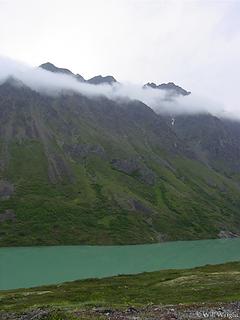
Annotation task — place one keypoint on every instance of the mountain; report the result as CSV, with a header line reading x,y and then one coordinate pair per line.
x,y
170,86
95,80
76,170
52,68
100,80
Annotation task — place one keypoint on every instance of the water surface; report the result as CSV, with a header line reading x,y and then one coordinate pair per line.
x,y
34,266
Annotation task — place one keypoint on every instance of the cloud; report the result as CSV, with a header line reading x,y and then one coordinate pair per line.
x,y
49,83
193,43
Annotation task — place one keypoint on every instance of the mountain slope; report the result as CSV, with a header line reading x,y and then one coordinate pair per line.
x,y
79,170
215,141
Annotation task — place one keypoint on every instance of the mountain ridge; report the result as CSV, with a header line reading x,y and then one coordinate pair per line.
x,y
99,79
77,170
170,86
94,80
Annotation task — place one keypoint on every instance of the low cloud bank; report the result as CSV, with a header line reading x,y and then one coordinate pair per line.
x,y
50,83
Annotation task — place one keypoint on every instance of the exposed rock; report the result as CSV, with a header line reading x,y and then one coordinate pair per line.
x,y
126,166
8,215
80,151
35,314
223,234
59,169
80,78
52,68
210,182
170,86
6,190
135,168
161,237
137,205
95,80
171,312
102,80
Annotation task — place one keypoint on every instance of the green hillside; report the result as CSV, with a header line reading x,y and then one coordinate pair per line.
x,y
75,170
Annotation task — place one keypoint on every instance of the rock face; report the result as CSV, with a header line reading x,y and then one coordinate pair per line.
x,y
135,168
95,80
140,207
80,78
102,80
227,235
6,190
81,151
215,141
51,67
7,215
170,86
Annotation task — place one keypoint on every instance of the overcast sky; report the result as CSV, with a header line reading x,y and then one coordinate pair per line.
x,y
195,44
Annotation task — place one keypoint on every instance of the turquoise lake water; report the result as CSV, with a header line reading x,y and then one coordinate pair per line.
x,y
34,266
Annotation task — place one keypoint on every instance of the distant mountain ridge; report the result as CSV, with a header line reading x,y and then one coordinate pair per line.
x,y
77,170
52,68
110,80
170,86
95,80
100,79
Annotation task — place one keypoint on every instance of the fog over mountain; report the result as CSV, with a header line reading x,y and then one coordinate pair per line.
x,y
64,81
195,44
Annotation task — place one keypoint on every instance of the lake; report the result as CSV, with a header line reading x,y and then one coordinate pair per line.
x,y
34,266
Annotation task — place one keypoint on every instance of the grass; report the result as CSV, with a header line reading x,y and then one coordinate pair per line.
x,y
211,283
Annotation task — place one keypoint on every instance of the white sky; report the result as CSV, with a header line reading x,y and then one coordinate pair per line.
x,y
195,44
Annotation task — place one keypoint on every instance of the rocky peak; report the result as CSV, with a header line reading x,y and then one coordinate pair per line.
x,y
95,80
102,80
168,86
80,78
52,68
